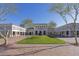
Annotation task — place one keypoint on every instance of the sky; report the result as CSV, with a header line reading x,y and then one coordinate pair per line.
x,y
39,13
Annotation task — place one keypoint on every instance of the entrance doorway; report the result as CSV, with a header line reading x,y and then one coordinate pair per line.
x,y
40,32
44,32
36,32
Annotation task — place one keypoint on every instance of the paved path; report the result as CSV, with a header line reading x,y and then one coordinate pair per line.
x,y
14,49
70,40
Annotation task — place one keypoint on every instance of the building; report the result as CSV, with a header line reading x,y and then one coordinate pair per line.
x,y
40,29
66,30
37,29
44,29
13,30
30,31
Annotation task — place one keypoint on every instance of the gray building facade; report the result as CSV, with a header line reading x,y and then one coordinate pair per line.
x,y
66,30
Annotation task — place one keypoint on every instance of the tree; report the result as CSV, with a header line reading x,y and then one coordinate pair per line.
x,y
51,24
27,23
70,10
51,27
6,9
59,8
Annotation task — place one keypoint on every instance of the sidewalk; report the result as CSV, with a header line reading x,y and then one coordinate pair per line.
x,y
14,49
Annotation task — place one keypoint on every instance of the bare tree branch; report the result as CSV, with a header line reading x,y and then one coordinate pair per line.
x,y
71,15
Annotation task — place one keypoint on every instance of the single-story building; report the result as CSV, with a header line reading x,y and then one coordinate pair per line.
x,y
12,29
66,30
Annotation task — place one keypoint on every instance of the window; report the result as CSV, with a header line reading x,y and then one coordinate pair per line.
x,y
44,32
40,32
17,32
30,33
77,32
36,32
67,32
13,33
20,33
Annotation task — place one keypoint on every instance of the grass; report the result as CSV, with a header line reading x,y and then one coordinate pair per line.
x,y
41,40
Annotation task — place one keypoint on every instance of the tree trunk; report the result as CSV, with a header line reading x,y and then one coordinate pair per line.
x,y
5,42
75,33
76,40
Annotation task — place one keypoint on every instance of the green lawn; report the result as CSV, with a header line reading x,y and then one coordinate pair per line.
x,y
41,40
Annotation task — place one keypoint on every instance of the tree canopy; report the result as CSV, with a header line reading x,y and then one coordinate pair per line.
x,y
51,24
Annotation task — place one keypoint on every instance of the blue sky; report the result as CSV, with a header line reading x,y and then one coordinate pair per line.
x,y
39,13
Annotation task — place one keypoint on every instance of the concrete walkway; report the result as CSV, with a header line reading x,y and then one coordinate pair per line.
x,y
14,49
70,40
